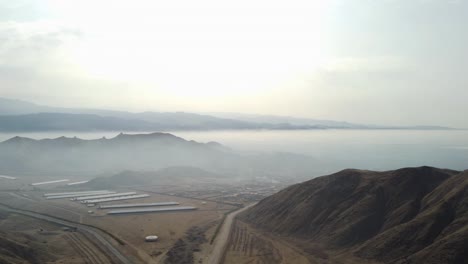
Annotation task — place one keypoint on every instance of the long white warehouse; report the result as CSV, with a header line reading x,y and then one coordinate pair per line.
x,y
92,197
152,210
76,183
136,205
104,200
7,177
76,195
80,192
49,182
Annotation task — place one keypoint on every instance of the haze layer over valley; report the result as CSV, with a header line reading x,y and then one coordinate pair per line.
x,y
145,152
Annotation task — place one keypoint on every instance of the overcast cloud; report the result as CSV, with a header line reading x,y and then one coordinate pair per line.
x,y
384,62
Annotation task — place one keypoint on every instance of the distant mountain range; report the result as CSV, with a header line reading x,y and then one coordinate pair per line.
x,y
410,215
145,152
293,121
21,116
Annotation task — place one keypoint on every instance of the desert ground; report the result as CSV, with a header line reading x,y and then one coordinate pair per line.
x,y
51,243
183,237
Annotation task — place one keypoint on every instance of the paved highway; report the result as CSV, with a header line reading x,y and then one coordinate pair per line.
x,y
82,228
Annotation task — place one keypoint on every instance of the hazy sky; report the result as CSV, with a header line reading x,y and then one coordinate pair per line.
x,y
368,61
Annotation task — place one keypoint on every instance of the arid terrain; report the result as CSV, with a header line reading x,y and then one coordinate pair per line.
x,y
410,215
353,216
248,244
183,237
29,240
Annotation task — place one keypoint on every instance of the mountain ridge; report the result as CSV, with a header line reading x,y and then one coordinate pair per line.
x,y
22,116
144,152
400,216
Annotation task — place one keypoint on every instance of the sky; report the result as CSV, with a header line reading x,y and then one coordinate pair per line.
x,y
395,62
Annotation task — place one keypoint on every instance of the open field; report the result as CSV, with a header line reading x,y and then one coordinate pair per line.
x,y
183,235
130,228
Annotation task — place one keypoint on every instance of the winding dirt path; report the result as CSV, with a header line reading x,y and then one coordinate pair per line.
x,y
221,241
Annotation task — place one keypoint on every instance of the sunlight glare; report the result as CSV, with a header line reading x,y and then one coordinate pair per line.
x,y
201,49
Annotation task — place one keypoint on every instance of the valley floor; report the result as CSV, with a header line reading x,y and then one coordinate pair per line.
x,y
184,237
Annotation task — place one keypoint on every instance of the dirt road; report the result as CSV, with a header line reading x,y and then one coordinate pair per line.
x,y
221,241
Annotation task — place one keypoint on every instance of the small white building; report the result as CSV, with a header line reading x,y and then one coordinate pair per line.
x,y
151,238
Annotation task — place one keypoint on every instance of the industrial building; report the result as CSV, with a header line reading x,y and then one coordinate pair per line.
x,y
81,192
76,183
73,196
152,210
99,196
49,182
136,205
7,177
151,238
111,199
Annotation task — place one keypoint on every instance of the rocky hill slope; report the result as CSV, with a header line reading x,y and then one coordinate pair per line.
x,y
410,215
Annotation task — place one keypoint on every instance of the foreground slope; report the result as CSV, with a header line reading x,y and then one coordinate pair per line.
x,y
411,215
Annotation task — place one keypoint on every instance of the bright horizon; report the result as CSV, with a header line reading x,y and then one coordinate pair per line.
x,y
373,62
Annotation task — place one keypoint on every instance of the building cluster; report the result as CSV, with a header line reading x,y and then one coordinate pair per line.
x,y
98,197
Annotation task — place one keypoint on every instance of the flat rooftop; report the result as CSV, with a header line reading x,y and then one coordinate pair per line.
x,y
137,205
152,210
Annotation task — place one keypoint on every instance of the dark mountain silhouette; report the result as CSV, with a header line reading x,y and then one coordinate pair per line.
x,y
411,215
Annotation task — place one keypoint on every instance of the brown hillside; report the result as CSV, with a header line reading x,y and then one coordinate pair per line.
x,y
14,252
411,215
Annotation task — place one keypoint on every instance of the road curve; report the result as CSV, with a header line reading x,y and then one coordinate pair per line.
x,y
221,241
106,244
